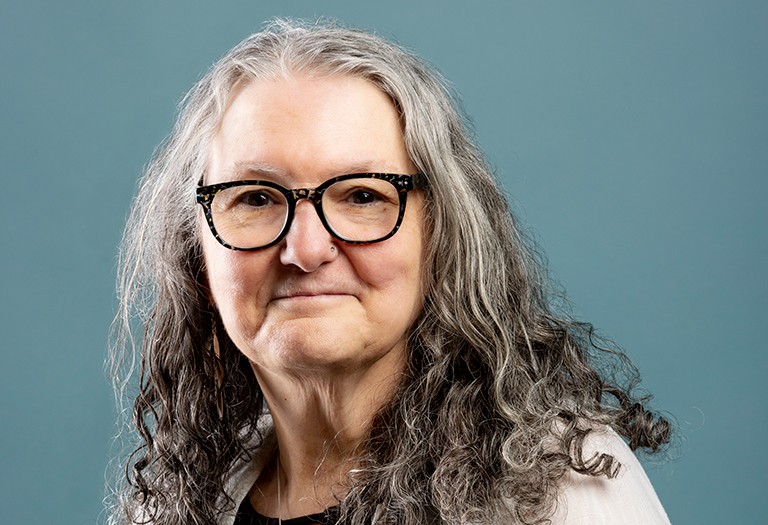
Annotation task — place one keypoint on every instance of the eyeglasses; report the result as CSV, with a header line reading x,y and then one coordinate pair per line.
x,y
361,208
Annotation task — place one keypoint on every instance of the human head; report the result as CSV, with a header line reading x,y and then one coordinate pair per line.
x,y
464,209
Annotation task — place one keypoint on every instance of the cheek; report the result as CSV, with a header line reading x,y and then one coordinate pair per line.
x,y
222,270
237,285
395,277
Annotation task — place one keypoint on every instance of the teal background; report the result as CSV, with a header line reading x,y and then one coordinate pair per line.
x,y
630,135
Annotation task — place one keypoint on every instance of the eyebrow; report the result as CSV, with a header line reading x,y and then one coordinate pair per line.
x,y
256,168
245,169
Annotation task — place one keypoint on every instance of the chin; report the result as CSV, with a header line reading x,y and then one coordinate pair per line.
x,y
306,344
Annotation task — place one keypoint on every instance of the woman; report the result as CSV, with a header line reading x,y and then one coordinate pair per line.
x,y
341,320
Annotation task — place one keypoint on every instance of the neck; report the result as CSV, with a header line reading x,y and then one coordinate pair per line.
x,y
321,421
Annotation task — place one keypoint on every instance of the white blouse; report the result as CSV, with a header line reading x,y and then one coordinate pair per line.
x,y
627,499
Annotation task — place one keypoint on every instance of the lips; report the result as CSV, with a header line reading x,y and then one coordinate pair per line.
x,y
292,291
299,294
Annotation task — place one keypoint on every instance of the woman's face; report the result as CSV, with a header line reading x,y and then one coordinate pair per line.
x,y
312,303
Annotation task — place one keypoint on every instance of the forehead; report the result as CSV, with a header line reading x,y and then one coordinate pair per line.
x,y
326,125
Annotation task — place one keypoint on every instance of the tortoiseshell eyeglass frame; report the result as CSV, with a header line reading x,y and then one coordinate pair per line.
x,y
403,184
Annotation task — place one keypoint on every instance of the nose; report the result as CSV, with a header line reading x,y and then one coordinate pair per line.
x,y
307,245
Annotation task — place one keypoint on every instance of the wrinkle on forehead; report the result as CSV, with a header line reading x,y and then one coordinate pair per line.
x,y
249,165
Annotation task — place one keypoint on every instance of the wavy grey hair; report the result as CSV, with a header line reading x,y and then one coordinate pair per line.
x,y
500,389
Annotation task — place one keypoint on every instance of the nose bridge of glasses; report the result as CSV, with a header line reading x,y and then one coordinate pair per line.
x,y
311,194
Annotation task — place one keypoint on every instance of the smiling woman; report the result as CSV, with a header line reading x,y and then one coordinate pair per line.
x,y
341,321
286,304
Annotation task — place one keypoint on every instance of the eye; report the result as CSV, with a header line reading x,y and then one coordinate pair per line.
x,y
358,194
364,196
255,198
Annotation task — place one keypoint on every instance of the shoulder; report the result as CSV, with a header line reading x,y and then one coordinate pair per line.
x,y
627,499
247,470
241,478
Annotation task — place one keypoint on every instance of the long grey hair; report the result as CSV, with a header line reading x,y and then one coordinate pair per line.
x,y
501,387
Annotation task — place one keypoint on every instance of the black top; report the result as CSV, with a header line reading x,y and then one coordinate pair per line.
x,y
246,515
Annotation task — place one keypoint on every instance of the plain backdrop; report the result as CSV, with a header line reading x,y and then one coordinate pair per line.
x,y
630,136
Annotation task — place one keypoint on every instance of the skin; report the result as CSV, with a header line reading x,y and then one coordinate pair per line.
x,y
325,330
